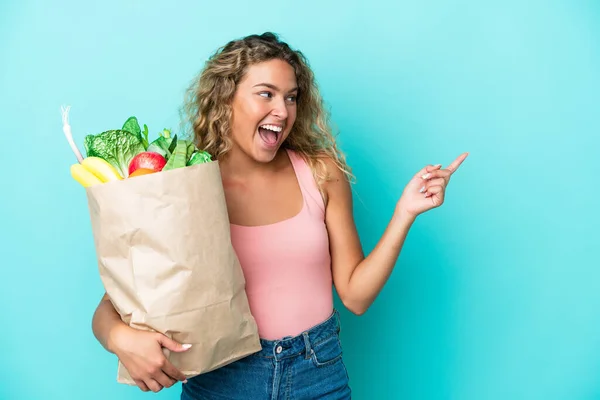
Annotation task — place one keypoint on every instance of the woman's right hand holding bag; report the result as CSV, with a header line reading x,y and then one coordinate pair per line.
x,y
141,353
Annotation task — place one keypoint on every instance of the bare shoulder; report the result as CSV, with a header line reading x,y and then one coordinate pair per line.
x,y
336,184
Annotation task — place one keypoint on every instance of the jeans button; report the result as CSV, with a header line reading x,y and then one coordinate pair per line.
x,y
278,350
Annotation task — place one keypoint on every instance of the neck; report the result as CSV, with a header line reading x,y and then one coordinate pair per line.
x,y
236,163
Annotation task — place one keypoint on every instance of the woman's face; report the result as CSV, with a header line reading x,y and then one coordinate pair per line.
x,y
264,109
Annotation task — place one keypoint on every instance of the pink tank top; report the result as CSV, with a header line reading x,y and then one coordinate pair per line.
x,y
287,265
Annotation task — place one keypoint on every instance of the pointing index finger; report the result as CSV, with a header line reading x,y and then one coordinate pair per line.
x,y
456,163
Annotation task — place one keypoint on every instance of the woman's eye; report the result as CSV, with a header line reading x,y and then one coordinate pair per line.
x,y
269,95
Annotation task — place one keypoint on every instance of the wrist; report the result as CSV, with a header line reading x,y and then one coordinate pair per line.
x,y
402,217
114,337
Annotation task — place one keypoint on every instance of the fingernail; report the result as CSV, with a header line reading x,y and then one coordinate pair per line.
x,y
427,175
422,189
186,346
185,381
437,165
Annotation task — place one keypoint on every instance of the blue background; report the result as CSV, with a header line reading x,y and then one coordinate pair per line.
x,y
496,294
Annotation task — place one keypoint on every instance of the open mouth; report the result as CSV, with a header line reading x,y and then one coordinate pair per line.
x,y
270,133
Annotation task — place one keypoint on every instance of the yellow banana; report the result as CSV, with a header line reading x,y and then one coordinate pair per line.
x,y
83,176
101,168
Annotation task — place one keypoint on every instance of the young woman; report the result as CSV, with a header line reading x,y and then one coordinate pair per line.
x,y
256,108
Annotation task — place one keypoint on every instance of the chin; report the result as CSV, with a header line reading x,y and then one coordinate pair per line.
x,y
265,156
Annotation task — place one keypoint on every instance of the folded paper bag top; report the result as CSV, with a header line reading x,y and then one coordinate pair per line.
x,y
167,263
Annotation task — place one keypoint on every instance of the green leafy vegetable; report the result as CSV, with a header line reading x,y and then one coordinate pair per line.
x,y
161,145
132,125
172,145
199,157
117,147
179,157
145,137
190,149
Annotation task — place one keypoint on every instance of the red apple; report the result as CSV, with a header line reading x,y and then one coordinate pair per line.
x,y
148,160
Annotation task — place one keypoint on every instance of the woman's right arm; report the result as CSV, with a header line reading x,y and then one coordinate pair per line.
x,y
140,351
106,320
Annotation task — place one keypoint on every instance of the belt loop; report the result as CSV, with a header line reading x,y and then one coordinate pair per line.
x,y
307,345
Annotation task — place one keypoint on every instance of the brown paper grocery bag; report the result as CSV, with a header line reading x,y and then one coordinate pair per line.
x,y
166,260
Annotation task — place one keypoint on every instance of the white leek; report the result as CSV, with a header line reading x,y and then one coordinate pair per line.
x,y
68,134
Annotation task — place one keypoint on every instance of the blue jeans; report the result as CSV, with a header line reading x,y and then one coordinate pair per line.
x,y
308,366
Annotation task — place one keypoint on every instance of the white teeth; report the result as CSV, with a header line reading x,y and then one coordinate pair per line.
x,y
272,128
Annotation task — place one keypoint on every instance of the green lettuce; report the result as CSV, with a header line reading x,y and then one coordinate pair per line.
x,y
117,147
132,125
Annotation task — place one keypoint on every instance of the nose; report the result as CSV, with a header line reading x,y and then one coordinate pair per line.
x,y
280,109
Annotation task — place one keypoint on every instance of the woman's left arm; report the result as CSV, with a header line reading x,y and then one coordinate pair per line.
x,y
359,279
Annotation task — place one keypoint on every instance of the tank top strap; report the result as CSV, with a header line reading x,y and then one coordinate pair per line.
x,y
306,180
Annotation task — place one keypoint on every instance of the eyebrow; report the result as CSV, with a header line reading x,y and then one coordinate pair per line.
x,y
270,86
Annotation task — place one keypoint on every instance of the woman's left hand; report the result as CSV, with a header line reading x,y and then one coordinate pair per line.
x,y
427,188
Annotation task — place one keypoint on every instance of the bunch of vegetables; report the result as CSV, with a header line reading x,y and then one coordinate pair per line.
x,y
124,153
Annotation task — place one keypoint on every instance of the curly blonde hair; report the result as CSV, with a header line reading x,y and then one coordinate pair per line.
x,y
209,97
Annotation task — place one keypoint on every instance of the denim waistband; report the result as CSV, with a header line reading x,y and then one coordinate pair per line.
x,y
291,346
